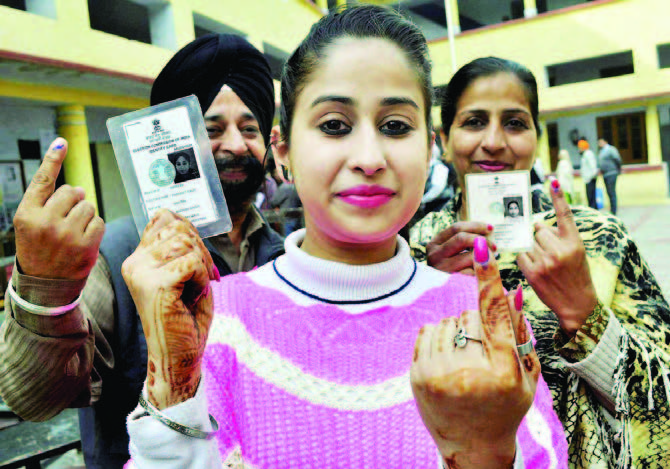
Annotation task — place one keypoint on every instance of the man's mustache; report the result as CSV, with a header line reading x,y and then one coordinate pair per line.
x,y
248,163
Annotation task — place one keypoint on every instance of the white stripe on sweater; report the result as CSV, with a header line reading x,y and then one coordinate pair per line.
x,y
277,370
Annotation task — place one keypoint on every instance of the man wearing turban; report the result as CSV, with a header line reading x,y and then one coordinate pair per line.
x,y
95,356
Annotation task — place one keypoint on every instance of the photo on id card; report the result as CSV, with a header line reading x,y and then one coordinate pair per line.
x,y
502,199
166,161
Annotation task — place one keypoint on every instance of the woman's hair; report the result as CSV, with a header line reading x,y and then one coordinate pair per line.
x,y
486,67
361,21
509,204
173,157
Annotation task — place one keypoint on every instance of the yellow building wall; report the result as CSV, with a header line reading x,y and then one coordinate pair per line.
x,y
70,39
59,94
591,30
69,42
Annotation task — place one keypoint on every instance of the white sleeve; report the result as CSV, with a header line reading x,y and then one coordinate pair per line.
x,y
155,445
518,459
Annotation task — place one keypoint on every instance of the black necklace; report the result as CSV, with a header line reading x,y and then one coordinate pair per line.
x,y
344,302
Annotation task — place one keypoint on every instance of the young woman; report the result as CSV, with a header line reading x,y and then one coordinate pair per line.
x,y
307,360
183,169
601,322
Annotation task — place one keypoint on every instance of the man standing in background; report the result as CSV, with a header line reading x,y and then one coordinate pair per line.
x,y
588,171
609,161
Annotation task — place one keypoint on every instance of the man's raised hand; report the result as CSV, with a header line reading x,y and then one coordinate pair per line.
x,y
58,233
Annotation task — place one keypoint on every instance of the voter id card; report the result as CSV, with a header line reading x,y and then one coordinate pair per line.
x,y
502,199
166,161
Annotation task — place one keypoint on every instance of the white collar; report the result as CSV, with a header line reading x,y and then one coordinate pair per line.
x,y
338,281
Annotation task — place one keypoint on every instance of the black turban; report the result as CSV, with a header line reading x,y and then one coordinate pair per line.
x,y
205,65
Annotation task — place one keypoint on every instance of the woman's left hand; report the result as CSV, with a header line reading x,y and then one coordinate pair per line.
x,y
168,277
557,269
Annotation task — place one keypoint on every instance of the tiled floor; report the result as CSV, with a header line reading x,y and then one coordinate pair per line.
x,y
650,228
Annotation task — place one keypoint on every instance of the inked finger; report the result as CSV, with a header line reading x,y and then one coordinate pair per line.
x,y
44,181
530,361
564,217
515,300
494,310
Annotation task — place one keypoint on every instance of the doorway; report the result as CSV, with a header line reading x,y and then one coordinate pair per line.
x,y
628,133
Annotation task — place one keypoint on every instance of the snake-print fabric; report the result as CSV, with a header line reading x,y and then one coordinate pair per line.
x,y
640,435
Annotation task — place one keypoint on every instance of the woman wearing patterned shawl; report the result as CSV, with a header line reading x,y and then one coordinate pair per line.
x,y
600,319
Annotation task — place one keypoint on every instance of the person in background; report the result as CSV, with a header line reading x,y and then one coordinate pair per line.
x,y
438,191
565,174
306,362
267,190
589,171
537,176
601,321
286,200
57,351
610,166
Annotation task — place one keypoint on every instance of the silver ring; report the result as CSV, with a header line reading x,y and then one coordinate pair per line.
x,y
525,349
461,338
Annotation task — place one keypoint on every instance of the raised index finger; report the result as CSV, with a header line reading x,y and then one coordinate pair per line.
x,y
44,182
497,328
564,218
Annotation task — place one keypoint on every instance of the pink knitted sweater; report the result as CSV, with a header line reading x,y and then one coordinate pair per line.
x,y
296,382
314,386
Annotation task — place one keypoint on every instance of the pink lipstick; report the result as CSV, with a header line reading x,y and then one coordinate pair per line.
x,y
365,196
492,166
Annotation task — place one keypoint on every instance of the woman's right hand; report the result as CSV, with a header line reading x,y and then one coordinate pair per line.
x,y
169,276
472,396
451,249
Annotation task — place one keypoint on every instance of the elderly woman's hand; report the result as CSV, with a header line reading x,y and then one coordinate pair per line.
x,y
168,276
451,249
473,394
557,269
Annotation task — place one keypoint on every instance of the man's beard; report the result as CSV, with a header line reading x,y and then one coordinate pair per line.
x,y
240,192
